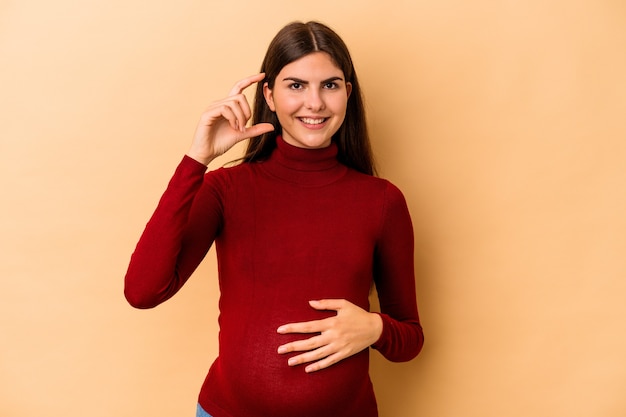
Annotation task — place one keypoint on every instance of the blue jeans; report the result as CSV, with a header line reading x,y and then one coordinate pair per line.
x,y
201,413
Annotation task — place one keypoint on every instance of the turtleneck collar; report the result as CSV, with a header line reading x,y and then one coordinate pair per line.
x,y
307,167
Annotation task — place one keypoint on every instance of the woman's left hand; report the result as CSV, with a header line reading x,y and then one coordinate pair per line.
x,y
350,331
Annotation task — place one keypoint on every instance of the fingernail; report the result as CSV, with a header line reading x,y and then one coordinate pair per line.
x,y
281,329
292,362
282,349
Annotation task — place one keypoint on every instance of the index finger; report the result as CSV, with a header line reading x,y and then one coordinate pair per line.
x,y
245,83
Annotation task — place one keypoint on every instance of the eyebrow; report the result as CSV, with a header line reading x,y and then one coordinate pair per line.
x,y
299,81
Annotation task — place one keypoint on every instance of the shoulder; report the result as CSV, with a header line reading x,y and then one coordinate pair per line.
x,y
378,186
387,198
228,173
228,180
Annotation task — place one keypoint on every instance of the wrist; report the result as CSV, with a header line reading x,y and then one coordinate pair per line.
x,y
377,327
203,159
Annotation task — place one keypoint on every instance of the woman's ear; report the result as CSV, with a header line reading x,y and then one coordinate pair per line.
x,y
269,97
348,88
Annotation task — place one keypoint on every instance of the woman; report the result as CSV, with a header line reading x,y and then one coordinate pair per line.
x,y
302,230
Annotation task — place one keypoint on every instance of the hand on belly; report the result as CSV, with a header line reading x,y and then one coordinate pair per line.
x,y
336,338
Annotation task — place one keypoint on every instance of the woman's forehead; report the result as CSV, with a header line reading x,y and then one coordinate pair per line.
x,y
313,65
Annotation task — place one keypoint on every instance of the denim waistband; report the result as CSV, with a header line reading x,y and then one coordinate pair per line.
x,y
201,413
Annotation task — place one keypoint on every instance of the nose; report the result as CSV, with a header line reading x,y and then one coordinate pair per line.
x,y
314,100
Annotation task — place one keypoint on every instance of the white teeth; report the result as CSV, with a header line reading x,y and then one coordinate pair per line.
x,y
310,121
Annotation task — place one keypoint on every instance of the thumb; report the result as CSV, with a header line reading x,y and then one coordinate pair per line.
x,y
258,129
331,304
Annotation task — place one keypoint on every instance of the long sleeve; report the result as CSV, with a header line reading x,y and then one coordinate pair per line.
x,y
402,337
175,239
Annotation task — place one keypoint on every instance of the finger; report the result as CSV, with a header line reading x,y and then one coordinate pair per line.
x,y
230,115
314,326
259,129
240,108
302,345
241,101
227,109
328,304
312,356
324,363
245,83
237,105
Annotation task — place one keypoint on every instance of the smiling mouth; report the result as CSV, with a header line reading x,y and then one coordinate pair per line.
x,y
311,121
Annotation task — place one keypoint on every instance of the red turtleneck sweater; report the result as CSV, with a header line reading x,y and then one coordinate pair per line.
x,y
297,227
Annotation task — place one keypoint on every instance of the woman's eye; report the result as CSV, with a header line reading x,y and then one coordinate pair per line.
x,y
331,86
295,86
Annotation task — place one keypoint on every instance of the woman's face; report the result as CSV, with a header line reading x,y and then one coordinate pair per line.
x,y
309,97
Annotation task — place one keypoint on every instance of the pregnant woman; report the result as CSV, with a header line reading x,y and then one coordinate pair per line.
x,y
303,230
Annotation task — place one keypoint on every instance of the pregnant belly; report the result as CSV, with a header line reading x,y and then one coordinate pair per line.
x,y
258,381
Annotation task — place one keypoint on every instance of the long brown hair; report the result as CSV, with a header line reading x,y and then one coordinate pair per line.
x,y
291,43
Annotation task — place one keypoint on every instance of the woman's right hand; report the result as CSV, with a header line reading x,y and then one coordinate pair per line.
x,y
223,124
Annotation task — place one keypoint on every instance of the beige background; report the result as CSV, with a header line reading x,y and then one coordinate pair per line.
x,y
502,121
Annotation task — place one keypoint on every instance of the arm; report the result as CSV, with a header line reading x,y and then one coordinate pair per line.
x,y
402,337
170,249
188,217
